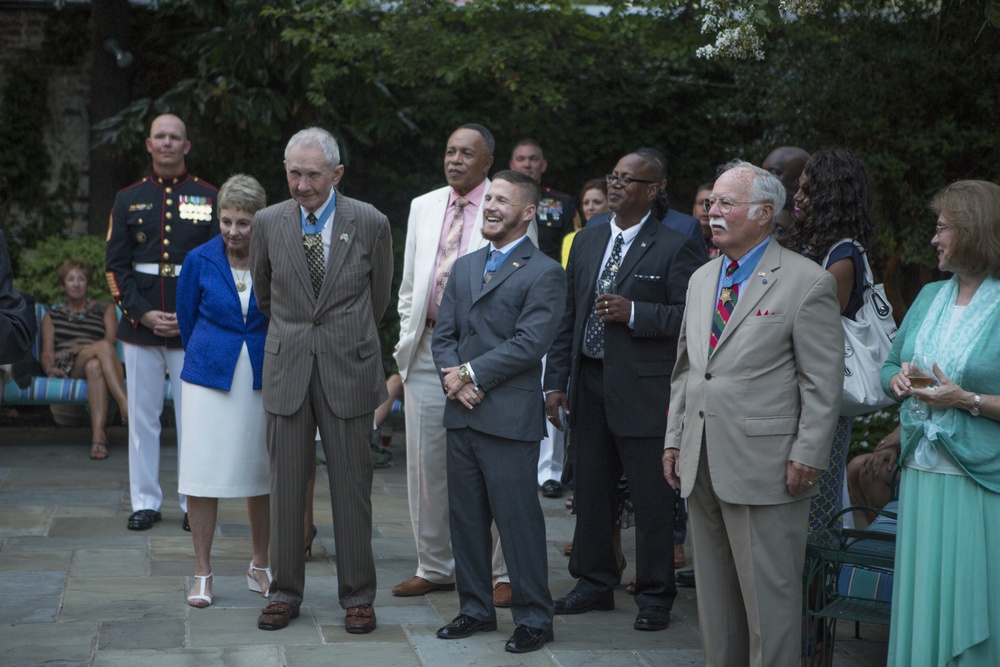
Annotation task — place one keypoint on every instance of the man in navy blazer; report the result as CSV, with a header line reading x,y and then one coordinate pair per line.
x,y
498,316
617,350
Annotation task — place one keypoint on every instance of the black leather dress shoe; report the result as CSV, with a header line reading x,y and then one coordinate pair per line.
x,y
143,519
525,639
552,489
652,618
578,603
685,578
187,524
464,626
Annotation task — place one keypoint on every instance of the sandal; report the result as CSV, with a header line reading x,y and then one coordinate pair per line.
x,y
252,582
202,599
99,451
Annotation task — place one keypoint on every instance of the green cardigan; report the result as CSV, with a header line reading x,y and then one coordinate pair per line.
x,y
975,446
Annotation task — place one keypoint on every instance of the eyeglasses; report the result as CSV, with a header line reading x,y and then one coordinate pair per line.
x,y
624,181
725,205
939,228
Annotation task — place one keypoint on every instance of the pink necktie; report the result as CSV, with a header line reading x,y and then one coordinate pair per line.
x,y
449,253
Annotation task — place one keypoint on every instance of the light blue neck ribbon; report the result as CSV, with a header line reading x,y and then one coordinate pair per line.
x,y
746,268
322,218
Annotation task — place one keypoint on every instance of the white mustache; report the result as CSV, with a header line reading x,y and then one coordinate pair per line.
x,y
720,223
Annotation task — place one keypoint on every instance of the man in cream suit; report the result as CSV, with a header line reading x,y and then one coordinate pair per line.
x,y
754,399
322,268
444,224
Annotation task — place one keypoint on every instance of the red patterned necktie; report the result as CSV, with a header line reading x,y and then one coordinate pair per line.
x,y
724,308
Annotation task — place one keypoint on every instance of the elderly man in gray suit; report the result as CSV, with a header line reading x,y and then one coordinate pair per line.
x,y
322,267
498,316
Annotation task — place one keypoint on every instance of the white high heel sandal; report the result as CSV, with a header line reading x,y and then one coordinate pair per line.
x,y
252,581
202,596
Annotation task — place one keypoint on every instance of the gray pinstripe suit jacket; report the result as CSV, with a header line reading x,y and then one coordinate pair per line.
x,y
340,327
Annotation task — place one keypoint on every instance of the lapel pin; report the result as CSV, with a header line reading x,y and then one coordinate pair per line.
x,y
345,238
516,264
761,274
642,245
764,281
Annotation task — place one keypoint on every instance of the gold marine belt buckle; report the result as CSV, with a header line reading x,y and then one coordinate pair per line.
x,y
167,270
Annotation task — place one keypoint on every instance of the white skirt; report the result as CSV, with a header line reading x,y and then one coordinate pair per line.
x,y
223,453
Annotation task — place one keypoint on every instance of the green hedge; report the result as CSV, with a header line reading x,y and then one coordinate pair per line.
x,y
39,275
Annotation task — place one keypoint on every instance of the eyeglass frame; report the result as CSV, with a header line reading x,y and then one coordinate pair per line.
x,y
726,207
625,181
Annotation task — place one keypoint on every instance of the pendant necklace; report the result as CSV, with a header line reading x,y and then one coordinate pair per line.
x,y
241,283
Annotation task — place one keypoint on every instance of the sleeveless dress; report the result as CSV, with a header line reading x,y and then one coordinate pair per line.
x,y
73,329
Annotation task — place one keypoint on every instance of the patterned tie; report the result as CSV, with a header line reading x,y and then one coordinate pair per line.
x,y
314,256
724,309
594,338
492,264
449,254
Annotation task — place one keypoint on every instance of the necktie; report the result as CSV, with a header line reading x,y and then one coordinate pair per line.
x,y
724,308
314,256
492,264
594,338
449,253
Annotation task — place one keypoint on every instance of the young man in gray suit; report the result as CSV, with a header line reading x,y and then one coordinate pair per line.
x,y
322,269
498,316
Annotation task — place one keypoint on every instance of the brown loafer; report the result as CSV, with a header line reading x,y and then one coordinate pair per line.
x,y
501,595
276,616
360,620
419,586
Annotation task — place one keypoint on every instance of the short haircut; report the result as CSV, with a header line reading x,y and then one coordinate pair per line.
x,y
526,184
491,143
764,186
316,136
655,158
242,193
972,209
528,141
78,263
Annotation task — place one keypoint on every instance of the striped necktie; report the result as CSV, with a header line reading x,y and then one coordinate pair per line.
x,y
724,308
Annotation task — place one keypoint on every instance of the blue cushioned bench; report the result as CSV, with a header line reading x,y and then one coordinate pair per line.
x,y
48,391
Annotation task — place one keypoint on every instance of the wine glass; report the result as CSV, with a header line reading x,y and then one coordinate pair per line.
x,y
921,376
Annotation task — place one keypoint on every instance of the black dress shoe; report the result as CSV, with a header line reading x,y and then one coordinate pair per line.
x,y
652,618
525,639
187,524
464,626
685,578
578,603
143,519
552,489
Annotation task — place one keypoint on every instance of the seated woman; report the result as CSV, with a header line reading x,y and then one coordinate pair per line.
x,y
78,341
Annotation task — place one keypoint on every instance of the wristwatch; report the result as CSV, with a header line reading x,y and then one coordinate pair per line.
x,y
974,410
465,375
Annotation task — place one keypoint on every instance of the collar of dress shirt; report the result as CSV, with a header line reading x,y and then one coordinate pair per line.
x,y
474,197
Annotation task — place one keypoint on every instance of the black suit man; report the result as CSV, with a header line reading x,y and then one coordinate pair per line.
x,y
15,326
498,316
617,350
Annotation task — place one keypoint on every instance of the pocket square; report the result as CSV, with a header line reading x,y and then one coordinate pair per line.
x,y
762,314
648,278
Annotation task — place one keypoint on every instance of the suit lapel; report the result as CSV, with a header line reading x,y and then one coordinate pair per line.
x,y
642,242
755,290
217,256
518,259
290,231
704,299
342,236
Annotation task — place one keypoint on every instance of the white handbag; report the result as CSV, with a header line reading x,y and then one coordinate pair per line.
x,y
867,341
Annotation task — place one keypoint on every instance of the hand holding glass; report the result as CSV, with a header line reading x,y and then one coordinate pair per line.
x,y
920,375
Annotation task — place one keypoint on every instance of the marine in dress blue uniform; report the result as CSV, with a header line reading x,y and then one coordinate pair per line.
x,y
153,225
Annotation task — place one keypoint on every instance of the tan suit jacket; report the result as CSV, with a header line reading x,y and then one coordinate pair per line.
x,y
340,326
770,393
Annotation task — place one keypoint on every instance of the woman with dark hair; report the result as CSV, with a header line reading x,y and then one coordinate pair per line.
x,y
834,203
78,340
946,590
223,454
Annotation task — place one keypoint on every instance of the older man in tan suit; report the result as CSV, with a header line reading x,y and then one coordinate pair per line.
x,y
322,268
754,399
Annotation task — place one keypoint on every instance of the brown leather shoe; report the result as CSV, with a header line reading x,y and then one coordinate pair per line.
x,y
360,620
276,616
679,559
419,586
501,595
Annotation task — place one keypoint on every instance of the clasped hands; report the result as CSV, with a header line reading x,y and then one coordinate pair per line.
x,y
946,395
467,393
613,308
163,324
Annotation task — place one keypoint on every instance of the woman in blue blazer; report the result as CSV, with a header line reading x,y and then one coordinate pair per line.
x,y
222,451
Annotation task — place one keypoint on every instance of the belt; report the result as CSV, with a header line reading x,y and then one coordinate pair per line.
x,y
429,323
164,270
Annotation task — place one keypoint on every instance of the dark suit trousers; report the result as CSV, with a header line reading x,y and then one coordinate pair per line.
x,y
493,479
291,443
601,457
